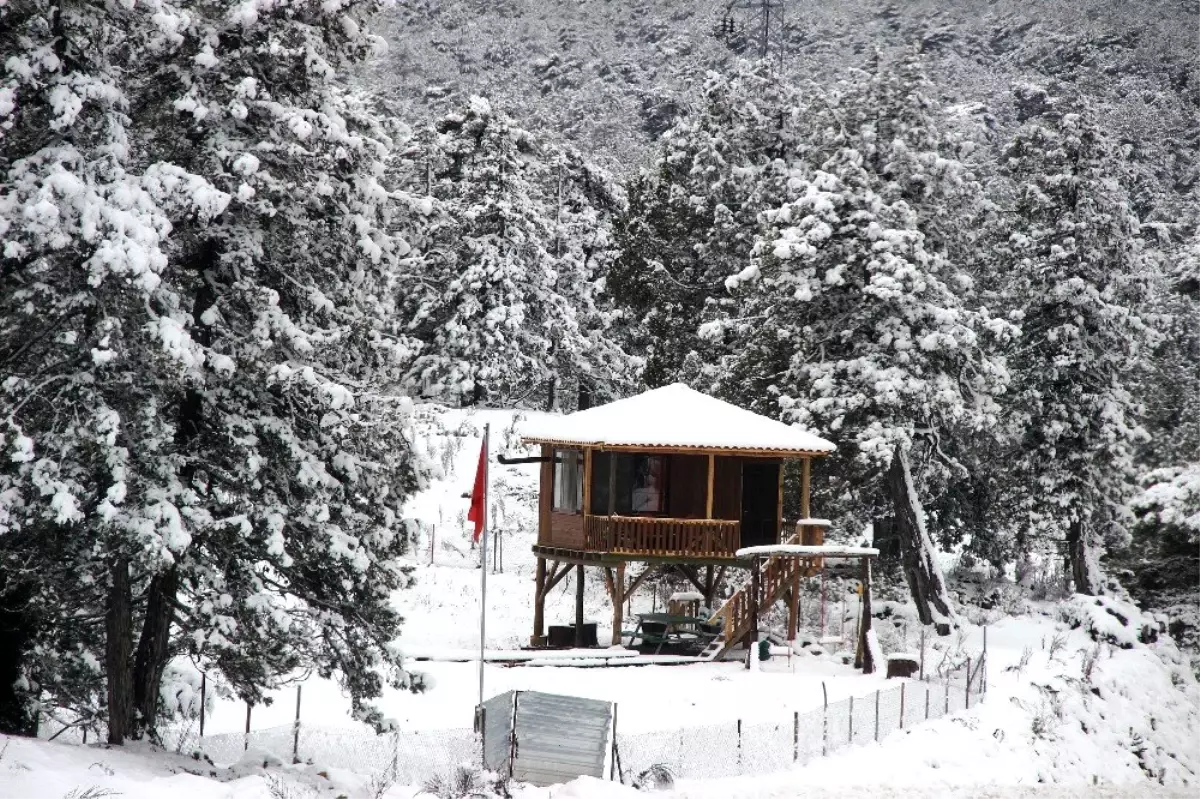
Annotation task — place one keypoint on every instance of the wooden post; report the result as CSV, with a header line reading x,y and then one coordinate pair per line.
x,y
793,620
246,738
587,485
539,605
780,538
612,484
805,477
795,736
546,496
850,716
618,600
712,468
579,605
755,583
901,705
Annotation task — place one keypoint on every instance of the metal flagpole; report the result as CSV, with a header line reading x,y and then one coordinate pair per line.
x,y
483,564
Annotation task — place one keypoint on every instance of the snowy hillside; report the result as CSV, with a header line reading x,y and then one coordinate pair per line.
x,y
611,75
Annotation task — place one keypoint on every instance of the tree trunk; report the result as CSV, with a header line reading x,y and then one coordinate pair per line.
x,y
18,630
118,627
1085,567
585,395
153,651
917,555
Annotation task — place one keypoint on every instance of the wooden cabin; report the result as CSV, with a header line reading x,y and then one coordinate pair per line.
x,y
668,477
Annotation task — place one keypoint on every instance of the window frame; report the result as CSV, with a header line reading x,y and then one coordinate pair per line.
x,y
560,469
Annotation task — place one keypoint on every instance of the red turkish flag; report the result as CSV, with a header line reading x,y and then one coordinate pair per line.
x,y
478,512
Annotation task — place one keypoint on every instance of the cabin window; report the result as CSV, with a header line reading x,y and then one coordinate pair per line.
x,y
648,493
568,481
639,484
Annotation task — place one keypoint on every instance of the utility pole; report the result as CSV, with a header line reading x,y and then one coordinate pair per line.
x,y
766,9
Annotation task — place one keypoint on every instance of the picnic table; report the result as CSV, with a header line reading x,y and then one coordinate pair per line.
x,y
688,633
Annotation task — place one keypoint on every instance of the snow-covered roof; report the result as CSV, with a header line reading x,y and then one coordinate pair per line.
x,y
686,596
673,417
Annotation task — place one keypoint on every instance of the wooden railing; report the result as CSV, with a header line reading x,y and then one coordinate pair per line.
x,y
701,538
779,573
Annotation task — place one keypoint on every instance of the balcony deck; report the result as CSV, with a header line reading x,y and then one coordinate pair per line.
x,y
589,538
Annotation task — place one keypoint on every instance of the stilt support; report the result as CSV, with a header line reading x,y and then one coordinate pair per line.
x,y
618,600
579,605
539,605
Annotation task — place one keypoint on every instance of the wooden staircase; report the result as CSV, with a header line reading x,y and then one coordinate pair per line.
x,y
780,573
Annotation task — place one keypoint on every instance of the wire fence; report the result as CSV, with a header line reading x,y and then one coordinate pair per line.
x,y
718,750
736,748
408,757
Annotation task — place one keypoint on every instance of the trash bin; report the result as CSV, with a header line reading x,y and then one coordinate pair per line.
x,y
560,636
589,634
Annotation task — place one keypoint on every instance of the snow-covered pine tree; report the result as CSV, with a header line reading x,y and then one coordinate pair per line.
x,y
853,320
196,315
1077,275
693,216
505,301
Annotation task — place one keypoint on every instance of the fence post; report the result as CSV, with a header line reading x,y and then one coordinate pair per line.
x,y
296,730
203,697
796,736
927,702
512,735
946,710
901,705
825,721
246,738
432,541
922,674
396,755
968,692
983,664
876,715
612,767
481,723
739,749
850,716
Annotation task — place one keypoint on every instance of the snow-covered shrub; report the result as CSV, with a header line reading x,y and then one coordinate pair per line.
x,y
466,782
658,777
1110,620
1170,499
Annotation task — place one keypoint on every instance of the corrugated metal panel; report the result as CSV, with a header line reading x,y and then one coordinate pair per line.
x,y
560,737
497,724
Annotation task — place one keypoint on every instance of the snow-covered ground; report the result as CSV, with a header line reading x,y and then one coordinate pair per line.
x,y
1065,715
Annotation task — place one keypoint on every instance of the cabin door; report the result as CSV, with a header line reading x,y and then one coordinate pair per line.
x,y
760,501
